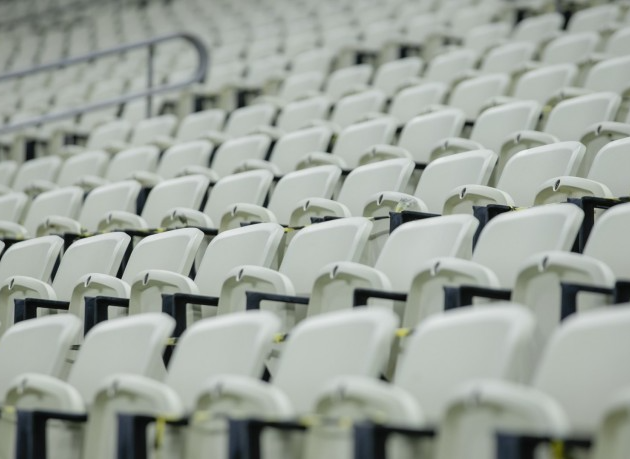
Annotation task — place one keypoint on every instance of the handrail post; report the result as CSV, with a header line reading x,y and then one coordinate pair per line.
x,y
150,81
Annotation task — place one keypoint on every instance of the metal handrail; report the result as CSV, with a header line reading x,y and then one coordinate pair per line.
x,y
150,44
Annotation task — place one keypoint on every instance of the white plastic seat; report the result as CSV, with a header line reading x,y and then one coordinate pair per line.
x,y
390,76
543,83
194,126
547,407
233,152
507,58
352,108
301,113
412,101
295,87
608,167
471,95
595,19
186,192
316,182
573,48
114,132
448,67
36,170
12,205
606,75
617,44
444,353
139,344
243,121
347,79
538,29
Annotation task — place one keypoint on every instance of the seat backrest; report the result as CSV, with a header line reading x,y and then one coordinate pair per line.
x,y
291,148
343,80
570,119
194,125
421,134
414,100
97,254
64,202
471,95
88,163
538,28
352,108
366,181
495,124
570,48
354,140
527,170
107,198
297,85
447,67
233,152
607,75
176,158
130,345
187,191
36,346
507,58
45,168
315,182
244,120
299,113
390,76
617,44
235,344
245,187
250,245
508,239
125,163
607,242
344,343
444,174
12,205
32,258
543,83
171,251
315,246
610,165
483,37
147,130
403,254
448,350
593,19
114,131
582,386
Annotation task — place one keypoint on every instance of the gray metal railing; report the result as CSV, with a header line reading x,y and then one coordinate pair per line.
x,y
150,44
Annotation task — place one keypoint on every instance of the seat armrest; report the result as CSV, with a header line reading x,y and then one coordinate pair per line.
x,y
216,137
132,433
13,230
245,435
317,207
362,296
254,299
254,164
370,439
247,212
118,219
30,306
271,131
182,216
143,285
383,152
321,159
39,186
570,292
200,170
175,306
588,204
59,224
392,201
463,295
147,179
451,145
97,309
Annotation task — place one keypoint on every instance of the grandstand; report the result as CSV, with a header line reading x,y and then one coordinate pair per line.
x,y
314,229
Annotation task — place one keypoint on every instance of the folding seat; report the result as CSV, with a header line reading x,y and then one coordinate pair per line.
x,y
193,127
415,100
285,398
343,81
7,172
292,188
117,196
37,169
101,137
237,343
354,107
261,75
573,48
450,66
100,254
298,115
312,60
290,148
147,130
605,76
546,408
64,202
522,177
419,137
124,165
491,130
139,344
608,167
184,158
12,205
538,29
617,43
353,142
593,19
610,440
507,58
295,87
243,121
473,94
186,192
484,37
220,77
569,120
442,354
545,82
390,76
233,152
